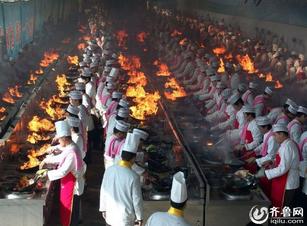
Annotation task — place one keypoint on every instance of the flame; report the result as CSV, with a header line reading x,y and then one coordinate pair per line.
x,y
58,100
247,64
32,79
15,148
177,91
222,66
183,41
55,113
8,98
14,92
137,78
219,50
268,77
141,37
35,138
228,56
261,75
33,162
73,60
81,46
49,58
37,125
278,85
121,37
39,72
36,153
2,110
62,83
129,64
163,69
176,33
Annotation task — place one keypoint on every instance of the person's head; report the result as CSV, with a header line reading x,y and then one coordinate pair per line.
x,y
119,134
280,133
63,133
301,115
64,141
75,130
249,113
121,128
179,206
264,124
268,92
238,104
291,112
128,156
75,98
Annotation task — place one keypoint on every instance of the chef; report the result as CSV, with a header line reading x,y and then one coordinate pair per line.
x,y
212,89
260,102
174,216
121,114
287,115
76,136
90,88
116,96
121,201
70,170
284,175
303,168
86,100
250,137
279,112
295,127
115,142
248,96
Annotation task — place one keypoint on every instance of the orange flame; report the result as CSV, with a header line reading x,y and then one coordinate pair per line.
x,y
81,46
15,148
8,98
183,41
141,37
228,56
268,77
39,152
58,100
14,92
55,113
34,138
177,91
129,64
176,33
39,72
73,60
278,85
222,66
121,38
247,64
38,125
219,50
62,83
49,58
2,110
138,78
32,79
163,69
32,162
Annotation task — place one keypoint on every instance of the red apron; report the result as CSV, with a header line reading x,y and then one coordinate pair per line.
x,y
246,138
264,182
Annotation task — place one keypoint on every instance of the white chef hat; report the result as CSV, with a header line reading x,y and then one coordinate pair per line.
x,y
117,95
73,121
179,188
122,126
123,113
131,143
62,129
302,109
291,102
75,95
73,110
252,85
263,121
123,103
292,109
242,87
140,133
280,127
114,72
268,90
80,86
248,109
234,98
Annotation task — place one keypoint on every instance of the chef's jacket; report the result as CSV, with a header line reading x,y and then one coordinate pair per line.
x,y
86,118
273,114
69,165
165,219
229,123
256,134
78,140
248,97
90,90
289,162
271,150
111,125
121,196
295,131
303,163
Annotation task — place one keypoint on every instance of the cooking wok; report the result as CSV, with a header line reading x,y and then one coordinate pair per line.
x,y
237,183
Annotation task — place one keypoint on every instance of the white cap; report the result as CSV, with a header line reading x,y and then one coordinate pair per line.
x,y
62,129
281,127
73,110
73,121
117,95
114,72
131,143
123,112
291,102
292,109
263,121
80,86
140,133
302,109
75,95
234,98
248,109
214,78
123,103
268,90
179,188
122,126
252,85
